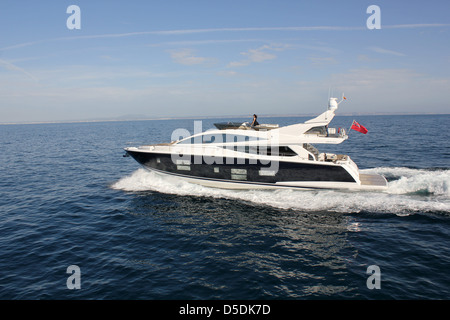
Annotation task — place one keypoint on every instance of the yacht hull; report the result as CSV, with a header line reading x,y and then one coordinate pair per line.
x,y
235,173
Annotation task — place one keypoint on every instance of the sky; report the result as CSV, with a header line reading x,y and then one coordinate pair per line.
x,y
154,59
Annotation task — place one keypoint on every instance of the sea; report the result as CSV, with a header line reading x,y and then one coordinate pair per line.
x,y
79,221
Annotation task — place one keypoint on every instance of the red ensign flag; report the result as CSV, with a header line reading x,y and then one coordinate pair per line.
x,y
356,126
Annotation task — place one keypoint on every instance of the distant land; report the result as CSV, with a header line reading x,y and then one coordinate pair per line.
x,y
148,118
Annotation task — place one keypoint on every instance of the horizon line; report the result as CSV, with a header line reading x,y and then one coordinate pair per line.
x,y
349,114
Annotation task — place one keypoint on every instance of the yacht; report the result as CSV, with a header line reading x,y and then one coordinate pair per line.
x,y
240,156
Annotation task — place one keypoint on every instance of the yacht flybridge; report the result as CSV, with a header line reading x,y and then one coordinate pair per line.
x,y
239,156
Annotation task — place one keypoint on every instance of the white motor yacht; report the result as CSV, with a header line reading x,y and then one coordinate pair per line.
x,y
239,156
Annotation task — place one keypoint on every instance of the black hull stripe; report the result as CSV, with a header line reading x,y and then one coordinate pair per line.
x,y
234,181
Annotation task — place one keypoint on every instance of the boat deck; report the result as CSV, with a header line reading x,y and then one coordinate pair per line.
x,y
372,180
245,126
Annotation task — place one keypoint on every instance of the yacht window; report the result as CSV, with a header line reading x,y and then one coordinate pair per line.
x,y
268,173
281,151
317,130
183,161
311,149
286,151
239,174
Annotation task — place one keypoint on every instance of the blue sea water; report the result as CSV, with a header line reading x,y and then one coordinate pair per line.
x,y
68,197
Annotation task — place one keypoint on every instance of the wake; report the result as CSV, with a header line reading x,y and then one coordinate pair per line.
x,y
410,191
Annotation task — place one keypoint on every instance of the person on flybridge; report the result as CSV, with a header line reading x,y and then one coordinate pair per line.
x,y
255,122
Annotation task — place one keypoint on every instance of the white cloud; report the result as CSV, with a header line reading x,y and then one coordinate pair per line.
x,y
258,55
186,57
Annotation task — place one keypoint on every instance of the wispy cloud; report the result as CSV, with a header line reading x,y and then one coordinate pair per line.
x,y
188,43
385,51
13,67
320,48
257,55
322,61
245,29
382,89
416,25
227,73
224,30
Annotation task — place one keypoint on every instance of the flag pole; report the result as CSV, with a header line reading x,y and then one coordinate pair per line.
x,y
349,129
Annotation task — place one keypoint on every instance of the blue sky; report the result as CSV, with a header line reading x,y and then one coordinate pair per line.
x,y
206,58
